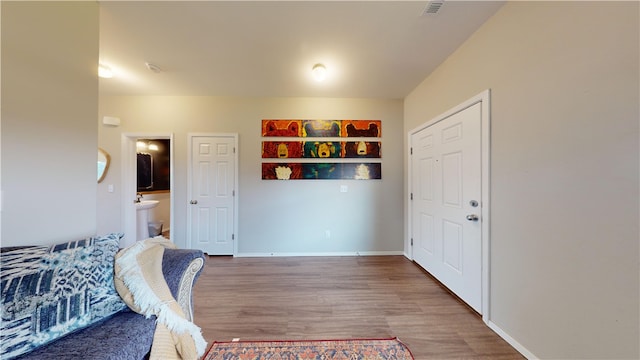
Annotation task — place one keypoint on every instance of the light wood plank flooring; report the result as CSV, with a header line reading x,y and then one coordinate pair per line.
x,y
305,298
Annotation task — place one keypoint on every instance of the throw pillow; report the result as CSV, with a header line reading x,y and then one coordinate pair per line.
x,y
48,292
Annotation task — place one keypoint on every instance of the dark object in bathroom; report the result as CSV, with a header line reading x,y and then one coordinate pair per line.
x,y
145,172
154,165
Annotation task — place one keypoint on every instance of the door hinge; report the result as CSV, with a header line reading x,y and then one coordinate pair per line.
x,y
411,153
411,196
411,241
233,236
233,193
234,150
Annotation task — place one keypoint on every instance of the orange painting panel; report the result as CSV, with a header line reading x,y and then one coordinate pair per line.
x,y
361,128
291,128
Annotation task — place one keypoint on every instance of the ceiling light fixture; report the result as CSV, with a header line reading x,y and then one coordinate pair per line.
x,y
104,71
319,72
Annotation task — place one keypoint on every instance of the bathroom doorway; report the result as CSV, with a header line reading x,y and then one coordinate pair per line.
x,y
159,163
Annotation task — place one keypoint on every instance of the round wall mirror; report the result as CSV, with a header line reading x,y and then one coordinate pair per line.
x,y
103,164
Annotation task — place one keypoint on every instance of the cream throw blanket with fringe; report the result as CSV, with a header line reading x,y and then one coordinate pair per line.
x,y
141,284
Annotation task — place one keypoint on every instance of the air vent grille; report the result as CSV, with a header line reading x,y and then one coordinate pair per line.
x,y
432,7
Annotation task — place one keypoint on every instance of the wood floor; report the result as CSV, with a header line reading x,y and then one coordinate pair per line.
x,y
340,297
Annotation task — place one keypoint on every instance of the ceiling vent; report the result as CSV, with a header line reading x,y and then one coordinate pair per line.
x,y
432,7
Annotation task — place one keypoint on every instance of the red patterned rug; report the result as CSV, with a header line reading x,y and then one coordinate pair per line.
x,y
360,349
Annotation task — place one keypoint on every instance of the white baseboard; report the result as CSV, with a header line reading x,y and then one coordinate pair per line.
x,y
516,345
326,254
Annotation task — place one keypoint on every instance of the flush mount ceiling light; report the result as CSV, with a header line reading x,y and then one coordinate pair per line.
x,y
319,72
104,71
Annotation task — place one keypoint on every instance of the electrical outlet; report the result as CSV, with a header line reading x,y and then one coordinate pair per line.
x,y
344,188
327,233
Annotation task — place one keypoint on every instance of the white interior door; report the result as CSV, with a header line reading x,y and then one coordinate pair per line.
x,y
212,204
446,212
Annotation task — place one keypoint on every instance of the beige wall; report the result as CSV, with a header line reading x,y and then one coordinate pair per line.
x,y
280,217
49,136
564,85
564,164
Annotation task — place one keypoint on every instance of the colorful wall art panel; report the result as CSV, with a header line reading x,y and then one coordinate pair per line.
x,y
321,128
357,171
291,128
326,149
321,171
361,128
281,149
361,149
281,171
322,149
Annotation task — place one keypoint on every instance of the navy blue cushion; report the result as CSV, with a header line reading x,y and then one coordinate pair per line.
x,y
124,336
175,263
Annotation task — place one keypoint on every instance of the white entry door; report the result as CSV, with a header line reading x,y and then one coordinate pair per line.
x,y
212,204
446,207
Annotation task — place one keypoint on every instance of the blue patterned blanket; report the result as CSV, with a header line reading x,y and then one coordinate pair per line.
x,y
50,291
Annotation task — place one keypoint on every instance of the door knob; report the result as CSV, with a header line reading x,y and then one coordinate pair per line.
x,y
472,217
193,202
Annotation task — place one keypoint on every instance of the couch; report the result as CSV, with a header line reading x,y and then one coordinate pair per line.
x,y
59,302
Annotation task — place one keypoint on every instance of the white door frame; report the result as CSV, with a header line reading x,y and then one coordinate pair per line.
x,y
484,99
190,137
129,181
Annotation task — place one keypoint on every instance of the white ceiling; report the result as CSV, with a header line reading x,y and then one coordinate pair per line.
x,y
372,49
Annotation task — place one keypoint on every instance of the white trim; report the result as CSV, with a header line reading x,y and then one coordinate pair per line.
x,y
485,143
485,100
325,254
408,247
236,187
128,184
516,345
129,188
